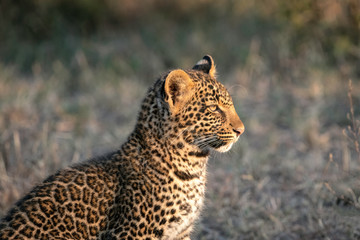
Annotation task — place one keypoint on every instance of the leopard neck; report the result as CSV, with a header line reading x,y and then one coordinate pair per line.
x,y
156,139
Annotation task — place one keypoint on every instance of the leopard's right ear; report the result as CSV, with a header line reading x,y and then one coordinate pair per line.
x,y
178,89
206,65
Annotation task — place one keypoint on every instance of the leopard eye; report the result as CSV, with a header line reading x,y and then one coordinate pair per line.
x,y
213,108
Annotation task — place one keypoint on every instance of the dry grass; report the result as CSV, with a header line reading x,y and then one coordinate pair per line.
x,y
277,183
293,175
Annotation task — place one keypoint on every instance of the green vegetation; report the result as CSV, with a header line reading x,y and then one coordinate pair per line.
x,y
72,76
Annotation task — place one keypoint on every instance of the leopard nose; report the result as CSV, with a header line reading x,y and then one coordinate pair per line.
x,y
239,130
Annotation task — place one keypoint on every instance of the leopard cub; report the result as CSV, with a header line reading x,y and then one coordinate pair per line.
x,y
152,187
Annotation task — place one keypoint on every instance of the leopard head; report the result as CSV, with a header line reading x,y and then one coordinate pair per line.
x,y
201,110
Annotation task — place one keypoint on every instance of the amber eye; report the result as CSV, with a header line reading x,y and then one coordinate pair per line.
x,y
213,108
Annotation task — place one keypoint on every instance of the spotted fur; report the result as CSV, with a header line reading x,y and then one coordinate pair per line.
x,y
151,188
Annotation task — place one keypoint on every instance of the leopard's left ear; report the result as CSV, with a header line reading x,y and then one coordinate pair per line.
x,y
179,89
206,65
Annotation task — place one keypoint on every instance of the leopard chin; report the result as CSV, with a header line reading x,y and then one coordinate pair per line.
x,y
225,148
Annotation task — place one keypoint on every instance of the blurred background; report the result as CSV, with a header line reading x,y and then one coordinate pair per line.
x,y
73,74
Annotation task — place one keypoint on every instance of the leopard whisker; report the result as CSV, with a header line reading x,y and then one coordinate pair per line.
x,y
205,138
206,141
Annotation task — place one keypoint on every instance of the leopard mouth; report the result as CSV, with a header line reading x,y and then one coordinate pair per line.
x,y
216,142
227,141
225,148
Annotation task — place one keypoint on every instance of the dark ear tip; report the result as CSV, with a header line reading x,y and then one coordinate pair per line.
x,y
206,65
209,59
206,62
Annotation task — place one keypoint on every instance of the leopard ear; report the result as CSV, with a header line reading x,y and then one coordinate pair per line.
x,y
206,65
178,89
